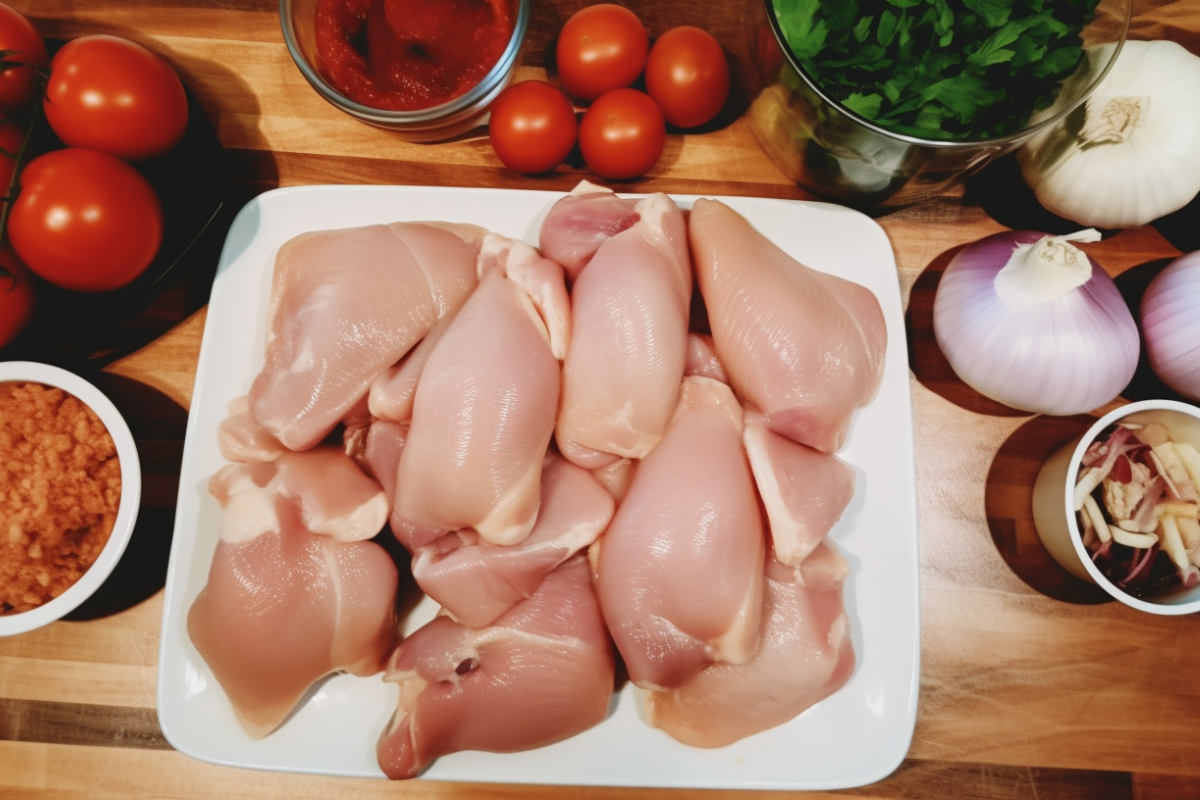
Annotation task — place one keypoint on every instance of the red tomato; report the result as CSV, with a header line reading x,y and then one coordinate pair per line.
x,y
622,134
600,48
687,76
19,86
115,96
16,296
532,127
85,220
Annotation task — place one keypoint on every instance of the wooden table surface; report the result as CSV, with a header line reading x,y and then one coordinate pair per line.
x,y
1033,685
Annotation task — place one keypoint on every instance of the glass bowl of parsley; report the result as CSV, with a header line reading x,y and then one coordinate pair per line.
x,y
884,103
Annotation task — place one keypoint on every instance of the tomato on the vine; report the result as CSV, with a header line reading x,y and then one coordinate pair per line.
x,y
687,75
622,134
19,85
532,127
16,296
113,95
602,47
12,136
85,220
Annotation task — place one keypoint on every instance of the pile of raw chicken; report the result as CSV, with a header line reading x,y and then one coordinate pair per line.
x,y
588,468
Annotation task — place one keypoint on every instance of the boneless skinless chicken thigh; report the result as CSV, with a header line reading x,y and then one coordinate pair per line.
x,y
802,346
347,304
507,409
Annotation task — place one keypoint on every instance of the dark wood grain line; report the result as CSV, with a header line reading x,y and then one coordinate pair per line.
x,y
80,724
137,728
919,779
260,170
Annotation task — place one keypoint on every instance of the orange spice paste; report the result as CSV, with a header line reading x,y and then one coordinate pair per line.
x,y
60,486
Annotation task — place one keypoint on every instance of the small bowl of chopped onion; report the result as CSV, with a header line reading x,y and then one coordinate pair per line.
x,y
70,488
1120,506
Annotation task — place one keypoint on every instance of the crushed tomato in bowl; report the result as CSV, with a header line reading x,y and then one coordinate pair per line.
x,y
60,488
410,55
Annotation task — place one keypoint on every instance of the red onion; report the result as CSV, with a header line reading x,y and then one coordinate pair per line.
x,y
1171,325
1031,321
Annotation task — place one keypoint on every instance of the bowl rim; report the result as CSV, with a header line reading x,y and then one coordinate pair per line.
x,y
127,510
1014,138
1166,609
444,113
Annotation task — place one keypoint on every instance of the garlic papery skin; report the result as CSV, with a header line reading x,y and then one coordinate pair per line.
x,y
1170,315
1051,352
1130,154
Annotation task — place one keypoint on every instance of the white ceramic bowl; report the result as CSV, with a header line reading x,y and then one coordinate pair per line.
x,y
131,492
1054,501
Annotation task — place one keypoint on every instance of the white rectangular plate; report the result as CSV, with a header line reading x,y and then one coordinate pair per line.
x,y
857,736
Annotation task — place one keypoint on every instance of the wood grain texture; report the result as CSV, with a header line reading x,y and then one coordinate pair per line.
x,y
1032,685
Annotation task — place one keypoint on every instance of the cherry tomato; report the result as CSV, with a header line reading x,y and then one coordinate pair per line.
x,y
532,127
600,48
85,220
622,134
113,95
19,86
687,76
16,296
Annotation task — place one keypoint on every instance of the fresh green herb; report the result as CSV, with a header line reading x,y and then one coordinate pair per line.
x,y
938,69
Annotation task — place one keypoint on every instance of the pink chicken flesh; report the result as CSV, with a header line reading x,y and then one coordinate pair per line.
x,y
347,304
628,347
484,411
805,492
680,569
804,347
805,655
476,582
541,673
579,223
285,606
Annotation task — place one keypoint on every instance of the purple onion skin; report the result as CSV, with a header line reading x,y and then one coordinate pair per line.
x,y
1066,356
1170,313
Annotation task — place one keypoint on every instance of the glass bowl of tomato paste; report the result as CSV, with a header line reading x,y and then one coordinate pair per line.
x,y
427,69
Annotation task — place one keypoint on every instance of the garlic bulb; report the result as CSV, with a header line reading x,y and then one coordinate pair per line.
x,y
1029,320
1170,313
1131,153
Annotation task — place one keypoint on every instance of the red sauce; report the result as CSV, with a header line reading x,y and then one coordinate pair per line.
x,y
407,55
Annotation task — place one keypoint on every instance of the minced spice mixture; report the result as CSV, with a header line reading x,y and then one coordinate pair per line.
x,y
60,485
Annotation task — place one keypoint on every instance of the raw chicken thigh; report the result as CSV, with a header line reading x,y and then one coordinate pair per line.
x,y
484,409
805,655
803,490
241,438
283,605
345,305
376,448
628,347
680,570
391,394
541,673
476,582
806,348
579,223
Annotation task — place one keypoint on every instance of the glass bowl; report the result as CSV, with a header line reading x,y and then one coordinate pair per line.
x,y
1054,513
840,155
127,511
436,123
